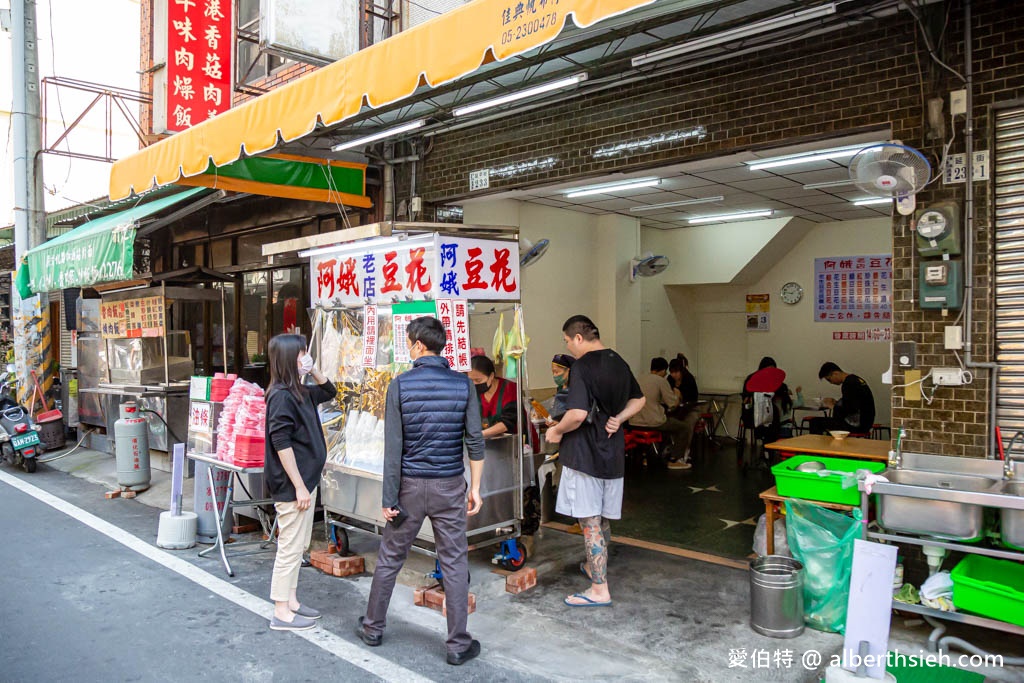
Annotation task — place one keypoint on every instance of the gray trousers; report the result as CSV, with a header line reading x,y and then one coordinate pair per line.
x,y
444,502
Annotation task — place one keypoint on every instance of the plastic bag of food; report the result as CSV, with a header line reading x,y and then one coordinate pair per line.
x,y
823,541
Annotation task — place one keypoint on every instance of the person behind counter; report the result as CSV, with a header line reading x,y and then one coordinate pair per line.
x,y
499,398
295,457
560,366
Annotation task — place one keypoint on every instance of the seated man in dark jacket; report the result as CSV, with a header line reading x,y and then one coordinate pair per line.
x,y
854,412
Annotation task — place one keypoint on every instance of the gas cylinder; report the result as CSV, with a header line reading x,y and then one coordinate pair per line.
x,y
131,448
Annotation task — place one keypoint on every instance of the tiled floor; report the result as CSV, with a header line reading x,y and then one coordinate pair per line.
x,y
712,508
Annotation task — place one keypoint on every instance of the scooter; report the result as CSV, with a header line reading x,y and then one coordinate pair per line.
x,y
19,437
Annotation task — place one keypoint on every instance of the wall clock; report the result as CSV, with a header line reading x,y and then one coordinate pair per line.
x,y
791,293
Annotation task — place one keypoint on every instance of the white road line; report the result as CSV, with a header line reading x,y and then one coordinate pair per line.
x,y
325,640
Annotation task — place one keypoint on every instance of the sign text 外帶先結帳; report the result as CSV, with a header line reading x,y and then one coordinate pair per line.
x,y
199,48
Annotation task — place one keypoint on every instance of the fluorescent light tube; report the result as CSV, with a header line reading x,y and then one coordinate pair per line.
x,y
721,218
735,34
684,202
833,183
397,130
806,157
520,95
871,201
612,187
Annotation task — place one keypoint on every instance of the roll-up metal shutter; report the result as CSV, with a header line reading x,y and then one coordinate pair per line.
x,y
1009,263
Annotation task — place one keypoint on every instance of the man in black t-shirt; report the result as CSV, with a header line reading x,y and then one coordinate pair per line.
x,y
854,412
603,395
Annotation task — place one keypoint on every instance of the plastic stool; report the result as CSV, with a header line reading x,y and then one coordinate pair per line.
x,y
642,443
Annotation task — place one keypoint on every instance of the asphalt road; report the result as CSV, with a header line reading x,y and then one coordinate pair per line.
x,y
80,606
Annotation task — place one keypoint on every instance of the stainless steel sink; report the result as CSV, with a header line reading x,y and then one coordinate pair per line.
x,y
934,514
941,480
1013,520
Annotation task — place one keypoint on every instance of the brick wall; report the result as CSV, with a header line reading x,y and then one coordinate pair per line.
x,y
867,77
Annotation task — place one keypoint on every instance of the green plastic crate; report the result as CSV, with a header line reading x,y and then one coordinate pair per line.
x,y
990,587
812,486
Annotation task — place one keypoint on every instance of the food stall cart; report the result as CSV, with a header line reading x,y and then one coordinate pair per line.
x,y
365,294
127,352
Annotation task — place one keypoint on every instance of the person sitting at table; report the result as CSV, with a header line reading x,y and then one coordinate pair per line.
x,y
659,398
782,403
854,412
680,377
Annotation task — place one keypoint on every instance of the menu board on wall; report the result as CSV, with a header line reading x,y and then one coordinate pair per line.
x,y
853,289
112,319
132,318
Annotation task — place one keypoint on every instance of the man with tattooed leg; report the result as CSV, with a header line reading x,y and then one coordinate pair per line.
x,y
603,395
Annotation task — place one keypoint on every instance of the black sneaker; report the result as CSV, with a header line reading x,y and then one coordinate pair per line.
x,y
460,658
372,641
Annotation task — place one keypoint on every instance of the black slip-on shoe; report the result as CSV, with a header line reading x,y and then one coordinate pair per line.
x,y
372,641
460,658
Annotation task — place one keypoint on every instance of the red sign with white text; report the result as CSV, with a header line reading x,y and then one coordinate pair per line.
x,y
199,40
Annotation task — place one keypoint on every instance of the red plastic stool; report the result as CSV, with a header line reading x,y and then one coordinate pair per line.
x,y
642,444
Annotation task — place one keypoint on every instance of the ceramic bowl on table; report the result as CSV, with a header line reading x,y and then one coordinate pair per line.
x,y
839,434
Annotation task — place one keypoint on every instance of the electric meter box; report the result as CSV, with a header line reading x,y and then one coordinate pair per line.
x,y
938,229
941,284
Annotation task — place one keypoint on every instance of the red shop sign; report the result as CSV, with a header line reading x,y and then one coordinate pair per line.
x,y
200,34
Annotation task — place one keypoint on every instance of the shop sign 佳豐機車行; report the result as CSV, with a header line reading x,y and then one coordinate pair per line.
x,y
200,37
416,270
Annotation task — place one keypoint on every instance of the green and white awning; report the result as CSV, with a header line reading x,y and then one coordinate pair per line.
x,y
102,250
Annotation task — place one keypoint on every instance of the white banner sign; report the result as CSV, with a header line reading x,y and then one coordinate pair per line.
x,y
369,336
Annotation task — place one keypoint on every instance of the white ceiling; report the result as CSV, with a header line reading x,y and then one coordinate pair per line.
x,y
780,189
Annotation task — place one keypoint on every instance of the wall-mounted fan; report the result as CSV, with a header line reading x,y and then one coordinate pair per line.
x,y
891,170
647,265
530,253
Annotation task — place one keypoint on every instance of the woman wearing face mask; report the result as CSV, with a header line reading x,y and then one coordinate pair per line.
x,y
560,366
499,398
295,457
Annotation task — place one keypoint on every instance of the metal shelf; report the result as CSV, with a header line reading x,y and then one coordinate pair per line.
x,y
959,547
960,617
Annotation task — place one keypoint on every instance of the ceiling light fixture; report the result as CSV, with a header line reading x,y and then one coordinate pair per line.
x,y
721,218
806,157
612,187
832,183
735,34
520,95
684,202
871,201
387,133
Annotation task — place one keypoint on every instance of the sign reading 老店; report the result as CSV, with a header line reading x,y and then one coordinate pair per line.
x,y
422,268
199,46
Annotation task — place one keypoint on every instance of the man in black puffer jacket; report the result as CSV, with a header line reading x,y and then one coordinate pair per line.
x,y
431,410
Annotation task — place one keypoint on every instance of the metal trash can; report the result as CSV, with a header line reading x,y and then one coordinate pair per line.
x,y
777,596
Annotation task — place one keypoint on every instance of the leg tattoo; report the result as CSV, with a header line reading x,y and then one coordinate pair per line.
x,y
597,550
606,531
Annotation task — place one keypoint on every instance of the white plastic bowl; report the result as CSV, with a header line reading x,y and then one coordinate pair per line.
x,y
839,434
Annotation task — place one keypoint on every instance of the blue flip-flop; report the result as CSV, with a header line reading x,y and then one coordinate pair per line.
x,y
587,601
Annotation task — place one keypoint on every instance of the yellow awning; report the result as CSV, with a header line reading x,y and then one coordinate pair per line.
x,y
438,51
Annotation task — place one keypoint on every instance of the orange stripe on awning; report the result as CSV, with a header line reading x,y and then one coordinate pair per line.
x,y
440,50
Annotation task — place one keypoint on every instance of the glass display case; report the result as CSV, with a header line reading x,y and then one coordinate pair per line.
x,y
140,361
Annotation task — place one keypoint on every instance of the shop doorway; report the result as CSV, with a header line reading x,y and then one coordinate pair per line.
x,y
272,301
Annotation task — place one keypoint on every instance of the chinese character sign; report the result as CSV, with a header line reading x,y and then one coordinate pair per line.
x,y
369,336
200,37
417,270
460,335
853,289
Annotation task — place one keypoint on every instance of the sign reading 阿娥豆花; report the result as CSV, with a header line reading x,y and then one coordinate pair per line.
x,y
200,37
416,269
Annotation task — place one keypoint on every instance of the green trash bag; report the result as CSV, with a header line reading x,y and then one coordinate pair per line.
x,y
822,540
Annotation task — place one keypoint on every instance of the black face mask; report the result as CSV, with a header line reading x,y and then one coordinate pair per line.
x,y
481,388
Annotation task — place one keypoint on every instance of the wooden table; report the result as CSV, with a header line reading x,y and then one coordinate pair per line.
x,y
816,444
772,505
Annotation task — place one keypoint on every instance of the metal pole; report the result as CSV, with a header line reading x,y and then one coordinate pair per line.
x,y
29,214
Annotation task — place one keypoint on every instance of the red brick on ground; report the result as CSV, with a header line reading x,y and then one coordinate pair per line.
x,y
522,580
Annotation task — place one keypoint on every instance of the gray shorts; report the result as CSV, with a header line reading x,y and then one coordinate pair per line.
x,y
581,495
